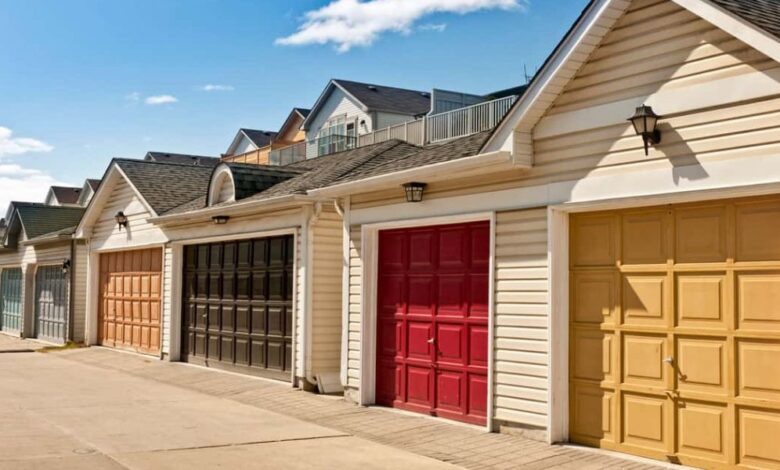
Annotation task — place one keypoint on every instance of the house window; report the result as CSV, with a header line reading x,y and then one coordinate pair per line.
x,y
336,135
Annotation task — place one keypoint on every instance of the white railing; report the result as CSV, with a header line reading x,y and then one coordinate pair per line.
x,y
444,126
466,121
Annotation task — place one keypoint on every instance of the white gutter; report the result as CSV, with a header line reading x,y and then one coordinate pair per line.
x,y
435,171
239,208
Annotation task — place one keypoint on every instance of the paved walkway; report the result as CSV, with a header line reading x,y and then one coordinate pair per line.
x,y
98,408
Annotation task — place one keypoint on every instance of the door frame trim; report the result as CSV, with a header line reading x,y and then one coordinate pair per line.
x,y
370,248
177,284
558,284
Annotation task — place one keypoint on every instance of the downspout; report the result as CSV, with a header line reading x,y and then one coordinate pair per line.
x,y
309,288
343,212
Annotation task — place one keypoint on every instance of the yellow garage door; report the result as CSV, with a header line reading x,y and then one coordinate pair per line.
x,y
675,332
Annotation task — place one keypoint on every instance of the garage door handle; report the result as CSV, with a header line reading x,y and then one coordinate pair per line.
x,y
432,340
669,360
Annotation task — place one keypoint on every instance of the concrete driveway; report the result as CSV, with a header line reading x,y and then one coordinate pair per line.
x,y
56,413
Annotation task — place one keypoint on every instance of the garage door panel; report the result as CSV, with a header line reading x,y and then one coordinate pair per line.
x,y
758,364
698,289
248,312
595,355
644,238
702,365
594,240
702,431
643,360
593,417
595,297
701,300
758,300
644,300
756,231
758,431
432,335
701,235
645,421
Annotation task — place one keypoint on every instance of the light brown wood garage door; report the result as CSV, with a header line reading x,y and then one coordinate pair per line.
x,y
675,332
130,285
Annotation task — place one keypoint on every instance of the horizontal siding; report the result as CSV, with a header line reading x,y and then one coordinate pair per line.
x,y
520,345
326,294
355,304
139,231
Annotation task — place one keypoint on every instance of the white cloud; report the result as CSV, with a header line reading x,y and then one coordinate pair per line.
x,y
23,184
10,145
160,99
134,96
351,23
212,87
437,27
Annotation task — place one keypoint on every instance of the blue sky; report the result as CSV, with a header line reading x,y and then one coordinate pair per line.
x,y
75,75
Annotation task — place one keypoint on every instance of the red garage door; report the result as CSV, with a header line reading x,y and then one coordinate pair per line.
x,y
432,320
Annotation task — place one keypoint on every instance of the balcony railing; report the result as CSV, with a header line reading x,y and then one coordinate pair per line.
x,y
286,155
329,144
444,126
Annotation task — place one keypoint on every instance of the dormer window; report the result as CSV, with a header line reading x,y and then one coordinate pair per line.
x,y
222,188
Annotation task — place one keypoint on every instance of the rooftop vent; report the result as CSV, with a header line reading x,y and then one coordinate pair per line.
x,y
425,94
372,87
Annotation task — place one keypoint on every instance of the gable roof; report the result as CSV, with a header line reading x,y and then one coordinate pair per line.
x,y
153,181
38,219
258,137
65,194
299,113
372,97
750,21
763,13
93,183
181,158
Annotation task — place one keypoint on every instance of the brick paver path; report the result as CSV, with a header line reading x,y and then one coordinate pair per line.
x,y
465,446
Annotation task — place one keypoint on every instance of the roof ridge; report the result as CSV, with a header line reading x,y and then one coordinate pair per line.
x,y
150,162
377,84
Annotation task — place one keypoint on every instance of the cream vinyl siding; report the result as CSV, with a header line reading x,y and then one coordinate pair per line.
x,y
355,305
337,104
167,298
139,232
326,294
520,347
79,291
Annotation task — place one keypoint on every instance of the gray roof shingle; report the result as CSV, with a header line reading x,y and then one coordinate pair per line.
x,y
390,99
258,137
181,158
40,219
252,179
765,14
66,195
166,185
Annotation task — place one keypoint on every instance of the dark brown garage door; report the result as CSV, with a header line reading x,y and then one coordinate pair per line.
x,y
238,309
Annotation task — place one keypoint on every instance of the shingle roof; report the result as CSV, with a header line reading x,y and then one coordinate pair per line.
x,y
181,158
303,112
763,13
93,184
390,99
66,195
40,219
360,163
258,137
166,185
252,179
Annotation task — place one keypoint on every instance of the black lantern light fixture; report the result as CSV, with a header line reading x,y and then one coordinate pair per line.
x,y
220,219
66,267
645,123
414,191
121,220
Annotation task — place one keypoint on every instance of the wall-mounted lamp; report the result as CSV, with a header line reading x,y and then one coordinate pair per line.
x,y
220,219
66,267
645,123
121,220
414,191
